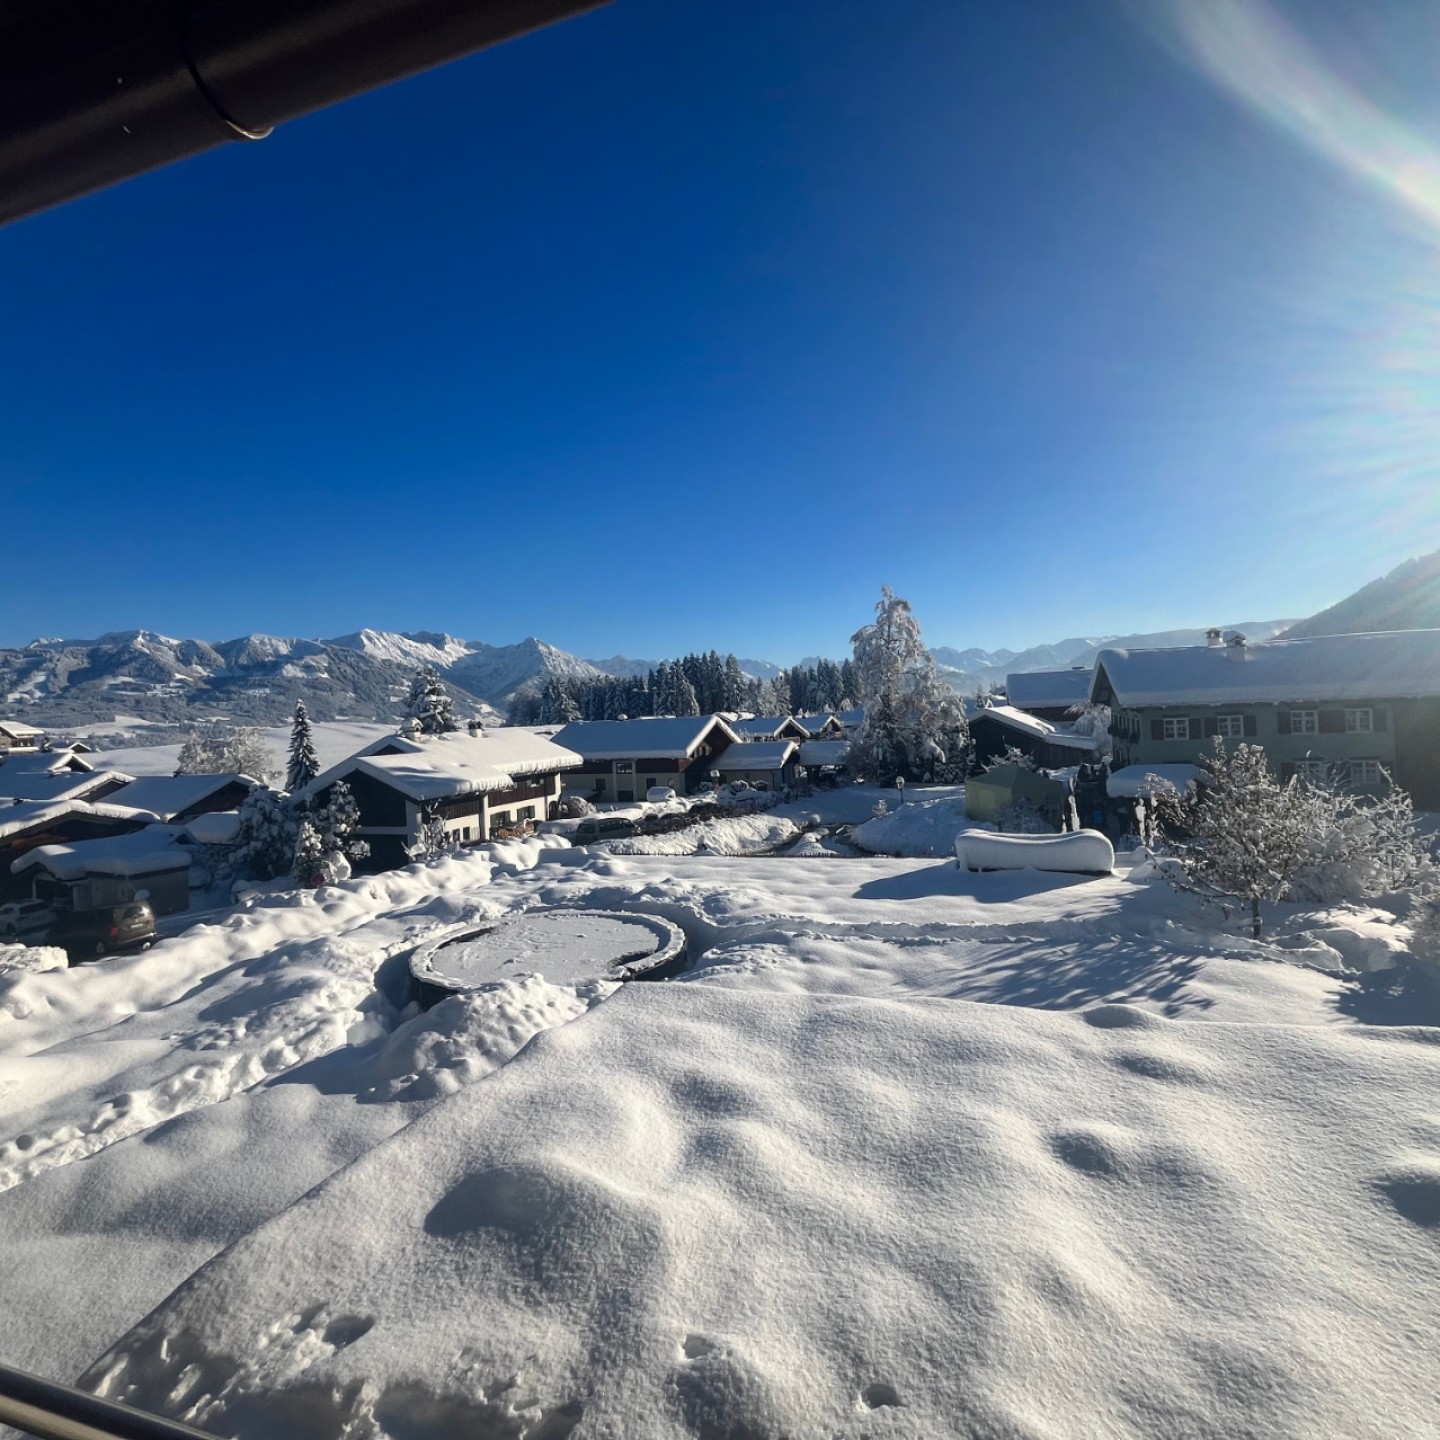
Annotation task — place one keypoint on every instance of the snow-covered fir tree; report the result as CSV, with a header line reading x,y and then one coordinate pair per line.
x,y
338,820
429,703
304,763
265,840
309,854
914,722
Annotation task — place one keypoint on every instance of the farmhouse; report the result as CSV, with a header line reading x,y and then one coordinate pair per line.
x,y
1351,708
37,784
622,759
70,760
821,727
17,737
1049,694
474,782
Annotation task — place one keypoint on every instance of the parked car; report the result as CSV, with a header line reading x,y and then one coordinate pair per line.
x,y
657,793
97,932
25,918
603,827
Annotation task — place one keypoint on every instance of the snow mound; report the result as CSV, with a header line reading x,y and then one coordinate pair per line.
x,y
736,835
705,1212
34,958
1085,852
915,831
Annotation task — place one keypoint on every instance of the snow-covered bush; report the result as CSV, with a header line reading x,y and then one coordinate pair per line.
x,y
265,841
1359,846
1425,927
1011,755
574,807
432,841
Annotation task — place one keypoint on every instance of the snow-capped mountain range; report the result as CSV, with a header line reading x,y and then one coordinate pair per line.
x,y
166,682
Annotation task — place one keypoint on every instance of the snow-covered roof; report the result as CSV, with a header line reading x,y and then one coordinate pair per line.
x,y
814,724
1048,689
761,726
16,731
1134,780
27,814
143,852
758,755
434,767
824,752
214,827
1013,719
43,762
63,785
1389,665
637,739
169,795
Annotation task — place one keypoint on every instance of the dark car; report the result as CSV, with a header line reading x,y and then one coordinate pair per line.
x,y
97,932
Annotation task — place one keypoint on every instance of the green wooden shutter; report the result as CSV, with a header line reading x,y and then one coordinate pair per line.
x,y
1250,728
1211,725
1157,730
1283,717
1332,722
1382,719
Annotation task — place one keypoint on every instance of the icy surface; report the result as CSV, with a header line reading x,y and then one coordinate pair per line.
x,y
563,946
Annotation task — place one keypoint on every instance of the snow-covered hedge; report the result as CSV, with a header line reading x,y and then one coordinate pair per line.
x,y
1085,852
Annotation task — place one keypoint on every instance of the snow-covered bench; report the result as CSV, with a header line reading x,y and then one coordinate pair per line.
x,y
1085,852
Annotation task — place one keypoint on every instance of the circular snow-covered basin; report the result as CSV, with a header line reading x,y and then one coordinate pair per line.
x,y
565,946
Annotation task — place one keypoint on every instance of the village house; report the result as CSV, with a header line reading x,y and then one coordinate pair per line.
x,y
765,764
622,759
475,782
827,726
15,737
178,798
824,759
62,784
69,760
1346,708
769,727
152,864
29,824
1049,694
995,728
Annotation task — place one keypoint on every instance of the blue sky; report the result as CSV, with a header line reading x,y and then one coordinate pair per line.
x,y
685,325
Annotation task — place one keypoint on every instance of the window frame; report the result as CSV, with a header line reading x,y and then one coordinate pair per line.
x,y
1169,723
1355,714
1304,722
1230,727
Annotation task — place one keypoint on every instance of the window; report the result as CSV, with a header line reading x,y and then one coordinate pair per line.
x,y
1176,729
1359,722
624,767
1232,727
1317,772
465,832
1304,722
1366,772
500,817
525,812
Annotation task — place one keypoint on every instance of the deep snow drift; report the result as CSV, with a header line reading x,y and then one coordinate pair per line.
x,y
908,1151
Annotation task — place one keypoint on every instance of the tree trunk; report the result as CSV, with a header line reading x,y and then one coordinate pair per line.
x,y
1255,918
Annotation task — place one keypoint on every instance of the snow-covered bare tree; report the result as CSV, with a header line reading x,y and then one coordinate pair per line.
x,y
914,722
1242,837
225,749
1359,847
304,764
432,840
1011,755
1093,720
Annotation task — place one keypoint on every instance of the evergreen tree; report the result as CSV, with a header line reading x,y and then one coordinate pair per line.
x,y
337,822
304,763
682,694
735,685
265,841
309,851
429,703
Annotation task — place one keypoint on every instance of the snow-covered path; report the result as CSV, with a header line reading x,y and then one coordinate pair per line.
x,y
809,1188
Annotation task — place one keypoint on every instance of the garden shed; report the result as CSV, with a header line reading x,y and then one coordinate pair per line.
x,y
990,793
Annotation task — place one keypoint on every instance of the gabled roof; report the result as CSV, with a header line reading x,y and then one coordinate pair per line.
x,y
1026,724
31,814
169,795
1389,665
44,762
14,730
1048,689
143,852
677,737
66,785
763,727
759,755
435,767
812,725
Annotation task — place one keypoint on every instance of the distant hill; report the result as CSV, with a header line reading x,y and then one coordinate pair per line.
x,y
1408,598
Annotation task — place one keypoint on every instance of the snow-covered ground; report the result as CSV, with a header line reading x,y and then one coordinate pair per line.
x,y
335,740
908,1151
